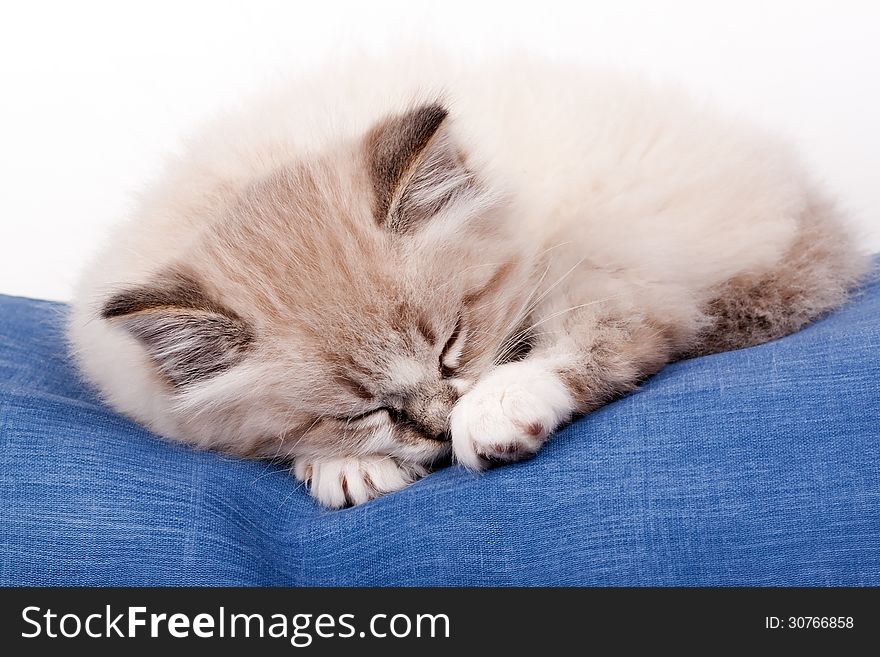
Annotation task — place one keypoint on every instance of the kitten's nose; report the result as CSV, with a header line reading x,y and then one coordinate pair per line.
x,y
431,411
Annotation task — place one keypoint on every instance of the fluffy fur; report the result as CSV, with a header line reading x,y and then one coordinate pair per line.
x,y
397,261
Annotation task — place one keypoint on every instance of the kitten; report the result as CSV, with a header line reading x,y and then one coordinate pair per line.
x,y
401,261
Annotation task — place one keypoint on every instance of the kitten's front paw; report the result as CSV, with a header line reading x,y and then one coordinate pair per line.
x,y
508,415
346,481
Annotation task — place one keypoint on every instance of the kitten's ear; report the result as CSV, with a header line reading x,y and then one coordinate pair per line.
x,y
188,337
415,168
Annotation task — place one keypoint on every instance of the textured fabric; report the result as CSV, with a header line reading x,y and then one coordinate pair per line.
x,y
760,466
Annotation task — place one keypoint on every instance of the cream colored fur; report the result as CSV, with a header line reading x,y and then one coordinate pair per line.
x,y
625,226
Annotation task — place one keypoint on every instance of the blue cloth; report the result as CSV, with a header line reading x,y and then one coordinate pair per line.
x,y
757,467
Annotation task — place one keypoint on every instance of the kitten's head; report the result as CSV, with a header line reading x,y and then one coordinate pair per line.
x,y
341,305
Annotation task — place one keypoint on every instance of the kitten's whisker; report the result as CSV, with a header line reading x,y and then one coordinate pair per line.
x,y
558,281
512,341
551,248
302,435
523,311
510,344
577,307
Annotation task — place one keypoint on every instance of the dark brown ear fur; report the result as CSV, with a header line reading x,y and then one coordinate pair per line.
x,y
415,168
188,336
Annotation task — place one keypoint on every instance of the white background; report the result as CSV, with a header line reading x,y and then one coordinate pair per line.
x,y
92,94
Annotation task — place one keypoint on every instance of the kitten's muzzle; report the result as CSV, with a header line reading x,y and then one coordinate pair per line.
x,y
429,411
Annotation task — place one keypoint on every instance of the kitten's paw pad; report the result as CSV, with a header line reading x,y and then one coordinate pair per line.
x,y
346,481
508,415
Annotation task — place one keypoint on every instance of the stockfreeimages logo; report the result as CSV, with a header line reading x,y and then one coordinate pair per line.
x,y
300,629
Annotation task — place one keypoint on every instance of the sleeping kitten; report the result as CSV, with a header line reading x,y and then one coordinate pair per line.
x,y
401,261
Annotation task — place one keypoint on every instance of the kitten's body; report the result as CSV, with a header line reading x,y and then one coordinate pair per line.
x,y
322,251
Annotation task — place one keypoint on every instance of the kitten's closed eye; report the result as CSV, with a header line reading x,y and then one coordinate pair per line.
x,y
451,354
367,414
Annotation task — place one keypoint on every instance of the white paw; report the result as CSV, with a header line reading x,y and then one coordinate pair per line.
x,y
508,414
345,481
